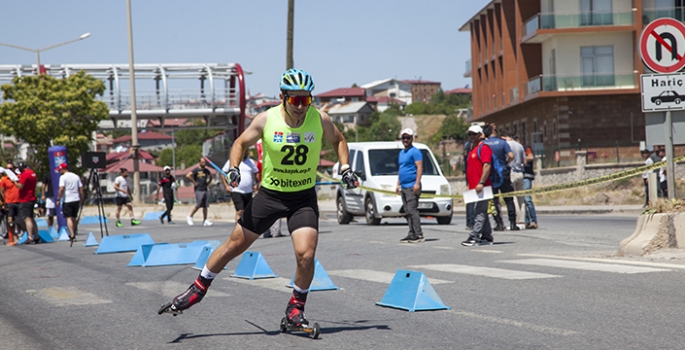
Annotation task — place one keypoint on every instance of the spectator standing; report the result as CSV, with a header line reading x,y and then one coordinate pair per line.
x,y
528,177
242,194
27,199
168,184
123,196
477,177
409,174
71,189
502,151
47,197
470,216
516,174
10,193
200,177
646,154
663,183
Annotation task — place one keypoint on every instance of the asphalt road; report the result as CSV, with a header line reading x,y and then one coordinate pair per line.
x,y
558,287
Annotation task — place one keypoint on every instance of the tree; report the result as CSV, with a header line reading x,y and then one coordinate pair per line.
x,y
453,127
44,111
189,154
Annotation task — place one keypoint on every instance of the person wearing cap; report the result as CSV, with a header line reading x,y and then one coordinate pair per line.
x,y
249,180
26,183
501,149
408,186
477,177
10,195
71,189
646,154
122,194
292,135
200,177
168,184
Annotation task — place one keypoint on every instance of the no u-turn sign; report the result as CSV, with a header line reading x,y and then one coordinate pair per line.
x,y
662,45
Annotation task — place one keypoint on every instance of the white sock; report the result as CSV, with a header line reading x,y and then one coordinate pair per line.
x,y
300,290
208,274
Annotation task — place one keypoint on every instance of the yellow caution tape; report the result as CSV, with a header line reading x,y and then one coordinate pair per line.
x,y
547,189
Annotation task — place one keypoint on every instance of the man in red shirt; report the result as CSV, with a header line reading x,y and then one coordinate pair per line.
x,y
477,177
27,199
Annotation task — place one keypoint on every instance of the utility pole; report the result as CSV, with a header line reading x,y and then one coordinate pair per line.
x,y
289,41
135,147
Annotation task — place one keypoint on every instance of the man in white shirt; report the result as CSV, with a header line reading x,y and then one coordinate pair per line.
x,y
71,189
123,197
242,194
516,174
646,154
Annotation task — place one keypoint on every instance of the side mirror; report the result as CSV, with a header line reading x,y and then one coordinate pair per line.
x,y
360,174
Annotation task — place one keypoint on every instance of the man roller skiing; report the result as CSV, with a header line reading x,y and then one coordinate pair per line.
x,y
292,134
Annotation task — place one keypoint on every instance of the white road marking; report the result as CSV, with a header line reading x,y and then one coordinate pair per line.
x,y
376,276
485,271
277,283
170,289
488,251
585,265
625,262
67,296
505,321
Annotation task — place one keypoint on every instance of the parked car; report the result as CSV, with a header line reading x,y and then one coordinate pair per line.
x,y
668,96
375,163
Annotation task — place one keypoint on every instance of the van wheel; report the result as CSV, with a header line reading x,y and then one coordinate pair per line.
x,y
371,218
444,220
344,217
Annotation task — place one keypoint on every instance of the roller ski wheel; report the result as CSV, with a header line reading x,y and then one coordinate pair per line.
x,y
169,308
313,330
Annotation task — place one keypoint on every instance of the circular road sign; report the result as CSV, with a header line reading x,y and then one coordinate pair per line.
x,y
662,45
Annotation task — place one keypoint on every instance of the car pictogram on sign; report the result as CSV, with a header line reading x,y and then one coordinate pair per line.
x,y
668,96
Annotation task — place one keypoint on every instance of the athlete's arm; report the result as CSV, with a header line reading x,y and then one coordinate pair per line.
x,y
247,139
335,137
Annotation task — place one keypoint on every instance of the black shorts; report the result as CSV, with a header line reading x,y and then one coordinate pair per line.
x,y
301,208
240,200
26,210
70,210
13,211
122,200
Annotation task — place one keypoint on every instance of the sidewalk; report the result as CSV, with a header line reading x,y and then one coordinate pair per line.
x,y
226,212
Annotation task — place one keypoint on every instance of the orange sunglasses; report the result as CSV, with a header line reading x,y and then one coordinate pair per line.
x,y
299,100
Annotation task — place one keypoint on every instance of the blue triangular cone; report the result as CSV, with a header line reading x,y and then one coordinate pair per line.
x,y
63,234
91,241
204,256
24,237
253,266
411,291
141,254
321,279
45,236
53,232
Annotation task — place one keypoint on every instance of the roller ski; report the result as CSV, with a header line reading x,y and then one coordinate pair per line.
x,y
313,330
190,297
295,320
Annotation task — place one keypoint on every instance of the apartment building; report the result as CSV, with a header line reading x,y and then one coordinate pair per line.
x,y
563,74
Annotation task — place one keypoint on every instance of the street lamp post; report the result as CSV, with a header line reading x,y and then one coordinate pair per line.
x,y
38,51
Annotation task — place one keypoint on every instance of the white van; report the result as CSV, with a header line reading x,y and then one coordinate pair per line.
x,y
376,164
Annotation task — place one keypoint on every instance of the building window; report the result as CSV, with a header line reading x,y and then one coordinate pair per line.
x,y
595,13
597,65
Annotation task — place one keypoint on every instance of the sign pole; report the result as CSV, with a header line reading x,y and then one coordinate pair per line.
x,y
670,168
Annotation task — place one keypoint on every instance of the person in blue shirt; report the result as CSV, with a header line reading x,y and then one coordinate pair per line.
x,y
502,150
409,185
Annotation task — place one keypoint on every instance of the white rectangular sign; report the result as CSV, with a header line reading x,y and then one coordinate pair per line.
x,y
661,92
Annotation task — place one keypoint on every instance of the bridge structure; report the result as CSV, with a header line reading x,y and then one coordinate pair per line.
x,y
212,92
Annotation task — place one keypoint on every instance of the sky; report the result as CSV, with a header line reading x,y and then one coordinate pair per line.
x,y
339,42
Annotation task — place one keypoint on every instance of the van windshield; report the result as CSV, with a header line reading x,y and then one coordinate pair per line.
x,y
384,162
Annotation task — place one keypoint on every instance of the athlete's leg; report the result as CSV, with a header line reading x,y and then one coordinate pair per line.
x,y
236,244
305,240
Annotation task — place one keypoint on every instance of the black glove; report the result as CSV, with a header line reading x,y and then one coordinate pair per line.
x,y
350,179
233,177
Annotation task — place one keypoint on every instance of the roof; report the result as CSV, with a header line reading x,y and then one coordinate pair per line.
x,y
128,164
118,156
184,172
421,82
167,122
345,108
325,162
344,92
459,91
466,28
148,135
268,104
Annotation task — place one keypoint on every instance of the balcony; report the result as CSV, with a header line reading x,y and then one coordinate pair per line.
x,y
650,14
540,21
467,71
584,82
